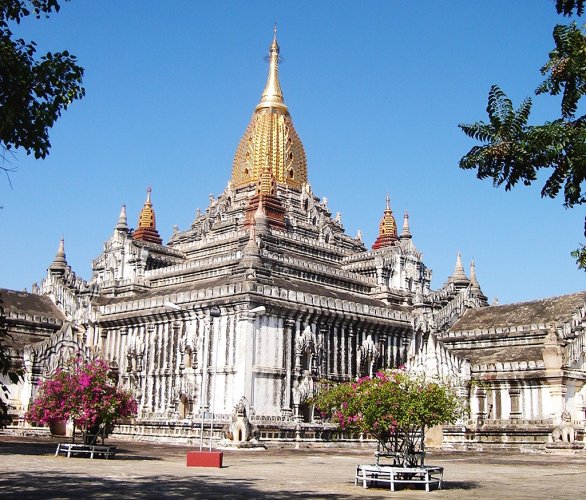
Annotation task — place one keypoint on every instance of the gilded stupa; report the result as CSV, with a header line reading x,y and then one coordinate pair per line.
x,y
387,234
147,225
270,138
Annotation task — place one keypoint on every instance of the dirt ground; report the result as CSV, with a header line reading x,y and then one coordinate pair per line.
x,y
29,470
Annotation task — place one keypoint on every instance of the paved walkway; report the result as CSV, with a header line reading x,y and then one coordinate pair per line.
x,y
29,470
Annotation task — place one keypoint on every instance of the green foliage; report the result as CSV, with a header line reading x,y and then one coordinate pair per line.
x,y
392,406
33,91
513,151
566,7
12,373
566,68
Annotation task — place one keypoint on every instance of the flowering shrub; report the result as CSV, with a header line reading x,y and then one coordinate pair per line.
x,y
393,407
84,393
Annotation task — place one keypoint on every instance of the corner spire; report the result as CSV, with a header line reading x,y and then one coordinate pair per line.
x,y
473,281
59,263
272,96
122,225
406,233
147,226
475,286
387,234
459,277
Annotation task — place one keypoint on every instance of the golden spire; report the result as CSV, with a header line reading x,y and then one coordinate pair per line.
x,y
270,138
272,96
388,226
387,234
146,218
147,225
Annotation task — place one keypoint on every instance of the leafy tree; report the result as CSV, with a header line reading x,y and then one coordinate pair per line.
x,y
85,393
33,90
393,407
33,93
513,151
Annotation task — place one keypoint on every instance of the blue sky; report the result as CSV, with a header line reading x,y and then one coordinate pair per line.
x,y
376,91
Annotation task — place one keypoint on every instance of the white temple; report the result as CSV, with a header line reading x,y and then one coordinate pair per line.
x,y
265,294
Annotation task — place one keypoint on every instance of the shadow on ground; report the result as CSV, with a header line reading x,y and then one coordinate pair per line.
x,y
20,485
27,448
49,448
460,485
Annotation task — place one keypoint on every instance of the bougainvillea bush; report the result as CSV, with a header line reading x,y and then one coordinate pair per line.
x,y
84,393
394,407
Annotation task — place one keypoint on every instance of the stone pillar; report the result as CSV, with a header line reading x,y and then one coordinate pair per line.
x,y
351,353
289,339
150,352
515,395
480,395
343,351
323,364
243,382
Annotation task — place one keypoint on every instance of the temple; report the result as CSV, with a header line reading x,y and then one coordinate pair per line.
x,y
265,294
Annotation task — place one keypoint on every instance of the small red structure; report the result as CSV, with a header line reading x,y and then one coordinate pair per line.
x,y
204,458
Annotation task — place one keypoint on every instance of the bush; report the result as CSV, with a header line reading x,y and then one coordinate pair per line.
x,y
393,407
83,393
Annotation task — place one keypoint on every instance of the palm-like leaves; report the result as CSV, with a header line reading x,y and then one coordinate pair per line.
x,y
513,151
566,68
566,7
505,155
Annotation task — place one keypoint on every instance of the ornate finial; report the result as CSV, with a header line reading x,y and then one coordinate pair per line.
x,y
406,233
387,234
147,226
459,277
272,96
260,217
59,263
473,281
122,220
459,269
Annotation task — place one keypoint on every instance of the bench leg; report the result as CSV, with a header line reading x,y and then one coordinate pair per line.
x,y
58,448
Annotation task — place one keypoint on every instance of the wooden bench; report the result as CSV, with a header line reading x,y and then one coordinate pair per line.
x,y
102,451
426,474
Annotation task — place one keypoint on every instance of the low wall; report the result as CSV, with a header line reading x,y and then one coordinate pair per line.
x,y
506,434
